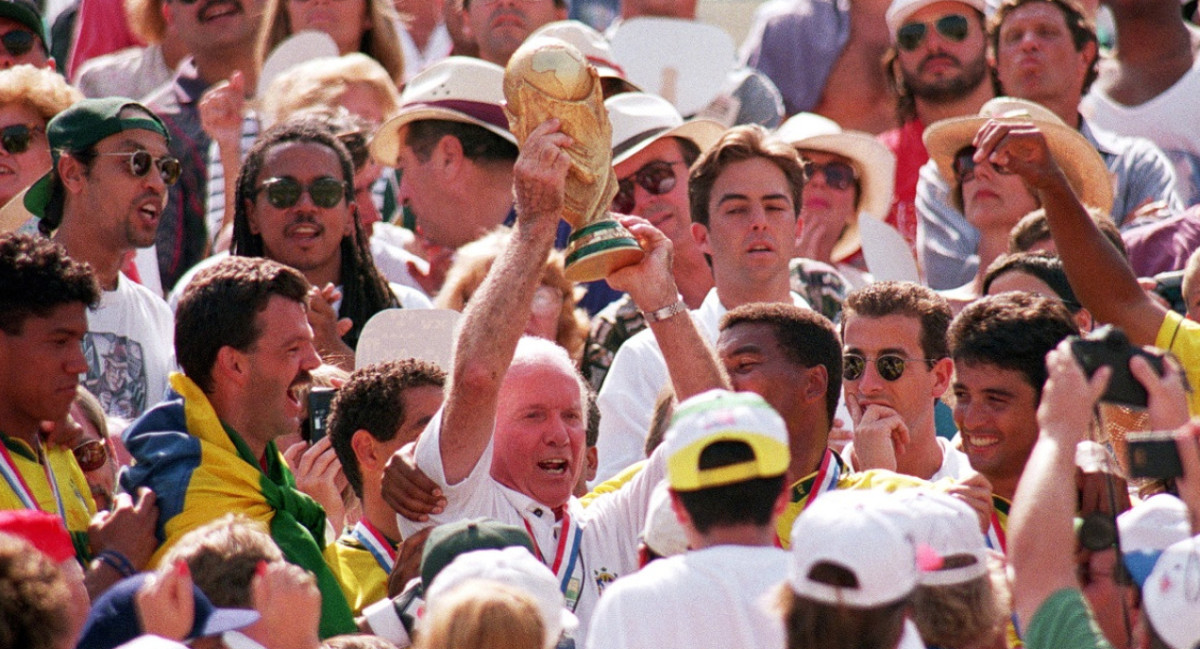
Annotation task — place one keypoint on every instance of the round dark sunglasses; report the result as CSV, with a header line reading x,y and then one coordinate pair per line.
x,y
91,455
890,366
952,27
15,138
18,42
656,177
838,175
964,165
141,162
284,192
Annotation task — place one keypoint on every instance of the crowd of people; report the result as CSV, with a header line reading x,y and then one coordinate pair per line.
x,y
907,359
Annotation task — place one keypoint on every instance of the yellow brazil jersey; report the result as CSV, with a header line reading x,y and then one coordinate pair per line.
x,y
361,561
77,504
1183,338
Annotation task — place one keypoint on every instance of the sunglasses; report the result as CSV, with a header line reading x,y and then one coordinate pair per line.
x,y
141,162
889,366
15,138
284,192
656,177
91,455
18,42
964,165
838,175
952,27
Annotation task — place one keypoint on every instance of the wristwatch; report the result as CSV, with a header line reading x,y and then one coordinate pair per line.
x,y
668,311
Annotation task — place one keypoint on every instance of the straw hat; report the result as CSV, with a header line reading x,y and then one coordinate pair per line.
x,y
640,119
1076,156
874,163
456,89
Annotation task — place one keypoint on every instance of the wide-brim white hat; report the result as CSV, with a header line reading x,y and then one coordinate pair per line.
x,y
875,164
640,119
456,89
1079,160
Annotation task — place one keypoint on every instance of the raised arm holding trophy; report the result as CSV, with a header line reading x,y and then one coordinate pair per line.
x,y
548,78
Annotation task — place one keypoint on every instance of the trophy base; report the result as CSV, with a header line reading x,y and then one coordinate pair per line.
x,y
597,249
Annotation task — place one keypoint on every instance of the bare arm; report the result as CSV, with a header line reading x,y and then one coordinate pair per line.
x,y
1041,533
690,360
495,317
1100,276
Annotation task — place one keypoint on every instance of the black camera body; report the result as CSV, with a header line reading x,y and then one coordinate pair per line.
x,y
1153,455
1108,346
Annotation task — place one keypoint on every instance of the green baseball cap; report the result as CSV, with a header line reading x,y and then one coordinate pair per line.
x,y
448,541
83,125
27,14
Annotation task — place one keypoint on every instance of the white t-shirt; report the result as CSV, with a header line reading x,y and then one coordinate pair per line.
x,y
955,463
610,524
130,349
715,597
637,375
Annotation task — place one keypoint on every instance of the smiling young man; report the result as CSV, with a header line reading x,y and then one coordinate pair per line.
x,y
999,345
246,349
745,197
103,199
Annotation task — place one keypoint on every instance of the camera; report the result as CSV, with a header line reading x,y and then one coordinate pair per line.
x,y
319,402
1108,346
1153,455
1169,286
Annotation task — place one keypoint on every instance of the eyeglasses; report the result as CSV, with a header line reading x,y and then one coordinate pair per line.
x,y
140,163
18,42
964,165
15,138
91,455
953,27
838,175
656,177
284,192
889,366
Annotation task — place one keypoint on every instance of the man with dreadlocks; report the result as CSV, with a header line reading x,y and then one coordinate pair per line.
x,y
295,205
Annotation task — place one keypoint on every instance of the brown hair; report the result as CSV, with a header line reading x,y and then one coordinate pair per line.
x,y
963,615
34,597
146,21
1081,28
483,615
222,556
741,143
810,624
883,299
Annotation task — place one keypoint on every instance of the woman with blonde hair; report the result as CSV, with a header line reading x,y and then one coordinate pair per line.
x,y
354,81
554,315
483,615
367,26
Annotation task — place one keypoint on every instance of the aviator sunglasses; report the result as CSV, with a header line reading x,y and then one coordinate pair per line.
x,y
15,138
964,165
141,162
284,192
889,366
952,27
838,175
656,177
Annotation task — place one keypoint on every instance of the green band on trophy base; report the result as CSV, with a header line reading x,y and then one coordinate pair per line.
x,y
599,248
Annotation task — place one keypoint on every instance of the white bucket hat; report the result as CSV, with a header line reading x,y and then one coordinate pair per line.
x,y
874,163
456,89
640,119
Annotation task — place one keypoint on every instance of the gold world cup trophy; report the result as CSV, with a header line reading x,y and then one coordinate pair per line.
x,y
546,78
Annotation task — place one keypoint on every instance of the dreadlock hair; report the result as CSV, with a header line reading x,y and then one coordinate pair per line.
x,y
365,292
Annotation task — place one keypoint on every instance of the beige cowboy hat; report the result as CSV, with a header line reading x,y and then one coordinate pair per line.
x,y
456,89
1076,156
640,119
873,162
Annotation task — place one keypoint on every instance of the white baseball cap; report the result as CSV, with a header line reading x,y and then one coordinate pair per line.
x,y
1149,528
1171,595
724,416
845,530
945,530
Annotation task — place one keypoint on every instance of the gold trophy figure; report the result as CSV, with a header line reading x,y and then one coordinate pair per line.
x,y
546,78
